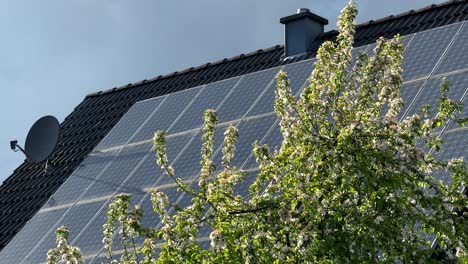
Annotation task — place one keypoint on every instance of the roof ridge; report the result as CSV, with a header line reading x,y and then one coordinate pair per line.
x,y
398,16
410,12
256,52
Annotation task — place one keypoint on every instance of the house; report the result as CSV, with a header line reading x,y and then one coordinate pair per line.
x,y
105,143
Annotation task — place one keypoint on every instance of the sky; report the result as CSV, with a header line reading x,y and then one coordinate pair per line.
x,y
54,52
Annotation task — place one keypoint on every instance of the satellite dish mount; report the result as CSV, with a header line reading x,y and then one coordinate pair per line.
x,y
16,147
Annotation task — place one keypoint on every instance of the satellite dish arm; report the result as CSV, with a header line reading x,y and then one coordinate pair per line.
x,y
15,147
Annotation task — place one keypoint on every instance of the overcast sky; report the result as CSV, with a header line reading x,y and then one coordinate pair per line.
x,y
54,52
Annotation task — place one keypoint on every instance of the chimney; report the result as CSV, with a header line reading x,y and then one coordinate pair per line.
x,y
301,30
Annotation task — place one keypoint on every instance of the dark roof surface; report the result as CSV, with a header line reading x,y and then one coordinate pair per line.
x,y
28,188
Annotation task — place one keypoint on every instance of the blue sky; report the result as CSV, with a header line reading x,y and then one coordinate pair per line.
x,y
54,52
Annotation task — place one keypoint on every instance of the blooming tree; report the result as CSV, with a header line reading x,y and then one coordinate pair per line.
x,y
349,183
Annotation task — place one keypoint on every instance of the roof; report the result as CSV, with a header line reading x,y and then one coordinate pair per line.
x,y
28,188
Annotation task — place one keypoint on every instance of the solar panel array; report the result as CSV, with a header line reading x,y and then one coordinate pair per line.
x,y
124,162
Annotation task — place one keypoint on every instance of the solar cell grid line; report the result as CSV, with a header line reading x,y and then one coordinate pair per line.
x,y
240,189
406,41
354,55
408,92
193,166
457,57
129,123
148,173
67,210
73,182
454,146
426,49
457,28
144,201
188,165
273,136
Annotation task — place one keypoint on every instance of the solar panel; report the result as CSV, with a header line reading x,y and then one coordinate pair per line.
x,y
74,221
30,235
124,162
210,98
273,139
453,125
406,41
408,92
138,183
249,131
88,172
430,93
166,114
114,175
129,123
425,50
244,95
297,73
455,142
187,164
148,172
90,238
454,59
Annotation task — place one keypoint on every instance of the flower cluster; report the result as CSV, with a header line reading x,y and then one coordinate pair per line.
x,y
64,251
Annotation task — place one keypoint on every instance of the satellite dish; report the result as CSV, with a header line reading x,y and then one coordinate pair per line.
x,y
41,140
